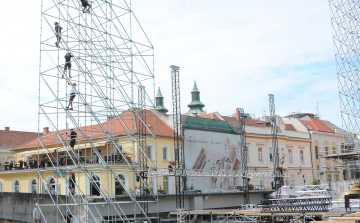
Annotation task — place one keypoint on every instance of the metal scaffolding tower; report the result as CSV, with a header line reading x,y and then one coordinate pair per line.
x,y
142,146
345,16
244,156
178,170
111,56
276,160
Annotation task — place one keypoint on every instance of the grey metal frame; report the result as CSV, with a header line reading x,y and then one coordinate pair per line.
x,y
108,65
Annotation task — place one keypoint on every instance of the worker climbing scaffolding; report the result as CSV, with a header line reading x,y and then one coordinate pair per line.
x,y
58,29
73,136
67,57
72,96
86,6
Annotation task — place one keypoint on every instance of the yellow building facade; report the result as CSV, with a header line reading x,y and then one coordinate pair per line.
x,y
26,179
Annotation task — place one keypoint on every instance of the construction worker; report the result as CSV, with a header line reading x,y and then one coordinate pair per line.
x,y
67,63
72,96
68,217
72,181
58,29
86,6
138,192
73,136
37,214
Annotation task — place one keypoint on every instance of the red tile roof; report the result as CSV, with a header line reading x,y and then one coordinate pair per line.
x,y
210,116
115,126
316,125
251,122
289,127
12,139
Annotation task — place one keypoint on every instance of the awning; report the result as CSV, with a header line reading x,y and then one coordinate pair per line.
x,y
60,149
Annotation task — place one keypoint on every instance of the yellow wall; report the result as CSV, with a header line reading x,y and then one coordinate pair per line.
x,y
107,180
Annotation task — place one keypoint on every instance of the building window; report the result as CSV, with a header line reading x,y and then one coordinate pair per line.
x,y
303,180
282,154
302,156
271,154
95,186
51,185
119,189
290,155
292,180
326,151
165,153
166,185
33,186
15,186
260,154
262,184
336,177
334,150
318,167
317,152
150,152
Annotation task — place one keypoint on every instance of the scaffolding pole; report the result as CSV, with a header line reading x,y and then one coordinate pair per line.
x,y
179,190
275,147
244,156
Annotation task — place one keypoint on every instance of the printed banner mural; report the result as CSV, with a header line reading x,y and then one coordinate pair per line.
x,y
212,151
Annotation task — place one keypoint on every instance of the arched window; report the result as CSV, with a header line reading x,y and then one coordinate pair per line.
x,y
50,184
119,189
95,185
33,186
15,187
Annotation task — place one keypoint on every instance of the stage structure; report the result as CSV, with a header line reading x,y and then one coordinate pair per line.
x,y
112,60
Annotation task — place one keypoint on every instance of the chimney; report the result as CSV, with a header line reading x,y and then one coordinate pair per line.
x,y
46,130
7,128
238,114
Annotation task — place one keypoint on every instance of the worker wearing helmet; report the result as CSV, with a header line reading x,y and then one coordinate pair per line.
x,y
68,217
58,29
86,6
37,214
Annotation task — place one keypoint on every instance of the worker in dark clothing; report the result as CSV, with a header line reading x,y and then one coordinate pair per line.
x,y
86,6
67,64
73,136
68,217
58,29
72,182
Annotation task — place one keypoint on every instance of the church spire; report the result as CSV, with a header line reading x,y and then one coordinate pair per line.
x,y
196,105
160,103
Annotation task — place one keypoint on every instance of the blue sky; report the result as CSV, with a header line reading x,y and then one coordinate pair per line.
x,y
239,51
